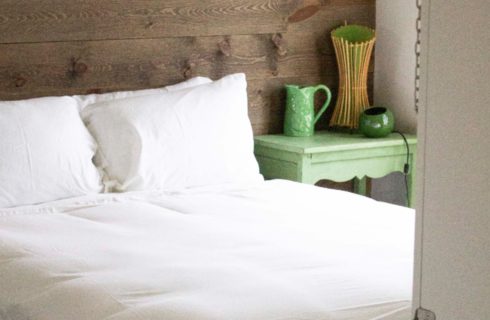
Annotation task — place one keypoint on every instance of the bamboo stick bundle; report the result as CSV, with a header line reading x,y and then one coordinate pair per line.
x,y
353,47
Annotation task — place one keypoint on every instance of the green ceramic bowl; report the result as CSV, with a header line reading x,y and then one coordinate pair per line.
x,y
376,122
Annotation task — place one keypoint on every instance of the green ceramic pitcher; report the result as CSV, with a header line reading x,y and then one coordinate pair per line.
x,y
300,118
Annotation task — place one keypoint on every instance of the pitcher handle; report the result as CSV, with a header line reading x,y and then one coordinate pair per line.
x,y
327,102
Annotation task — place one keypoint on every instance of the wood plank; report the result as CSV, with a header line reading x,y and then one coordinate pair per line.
x,y
68,20
56,68
44,75
61,20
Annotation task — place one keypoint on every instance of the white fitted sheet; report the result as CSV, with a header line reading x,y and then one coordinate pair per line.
x,y
272,250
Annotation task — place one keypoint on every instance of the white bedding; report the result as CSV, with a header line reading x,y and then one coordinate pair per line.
x,y
272,250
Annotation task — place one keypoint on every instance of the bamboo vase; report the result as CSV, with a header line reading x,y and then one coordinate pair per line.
x,y
353,47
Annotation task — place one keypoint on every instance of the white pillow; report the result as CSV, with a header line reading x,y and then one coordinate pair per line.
x,y
45,152
85,100
193,82
174,140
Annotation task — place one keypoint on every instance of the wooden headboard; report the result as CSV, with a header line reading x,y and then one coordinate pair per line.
x,y
59,47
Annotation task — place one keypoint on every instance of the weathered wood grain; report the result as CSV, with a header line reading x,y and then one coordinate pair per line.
x,y
82,66
68,20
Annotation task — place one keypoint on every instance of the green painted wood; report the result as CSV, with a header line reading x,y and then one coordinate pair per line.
x,y
360,186
278,169
335,156
325,141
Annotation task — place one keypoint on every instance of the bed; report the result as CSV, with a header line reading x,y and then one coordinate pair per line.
x,y
172,219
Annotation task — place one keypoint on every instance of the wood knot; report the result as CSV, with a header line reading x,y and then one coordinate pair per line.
x,y
20,82
77,68
149,24
280,43
225,47
189,68
188,73
307,9
80,68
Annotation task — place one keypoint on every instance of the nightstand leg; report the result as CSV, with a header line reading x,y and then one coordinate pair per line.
x,y
411,193
411,182
360,186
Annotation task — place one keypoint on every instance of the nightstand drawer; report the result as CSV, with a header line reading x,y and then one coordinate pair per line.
x,y
277,169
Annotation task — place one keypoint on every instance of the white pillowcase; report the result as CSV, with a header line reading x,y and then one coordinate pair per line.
x,y
45,152
85,100
173,140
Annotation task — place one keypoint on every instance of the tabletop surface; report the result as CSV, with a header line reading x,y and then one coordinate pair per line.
x,y
326,141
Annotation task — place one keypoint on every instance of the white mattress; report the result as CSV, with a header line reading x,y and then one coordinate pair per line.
x,y
275,250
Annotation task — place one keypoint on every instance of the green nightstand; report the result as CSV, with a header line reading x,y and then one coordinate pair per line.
x,y
335,156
